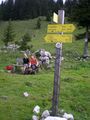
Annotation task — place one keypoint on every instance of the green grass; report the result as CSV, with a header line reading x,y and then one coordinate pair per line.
x,y
74,83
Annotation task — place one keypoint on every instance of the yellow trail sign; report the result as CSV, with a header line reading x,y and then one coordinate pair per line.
x,y
49,38
57,28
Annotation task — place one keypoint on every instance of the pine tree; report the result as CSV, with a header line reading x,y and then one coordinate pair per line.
x,y
8,10
8,34
59,4
1,11
48,17
69,5
27,9
81,15
24,42
38,25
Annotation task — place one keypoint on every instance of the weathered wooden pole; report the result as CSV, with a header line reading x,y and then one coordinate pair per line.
x,y
56,89
85,53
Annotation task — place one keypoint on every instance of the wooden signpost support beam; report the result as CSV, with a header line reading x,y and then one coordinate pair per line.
x,y
56,89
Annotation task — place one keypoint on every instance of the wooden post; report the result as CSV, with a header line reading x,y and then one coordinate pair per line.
x,y
85,53
56,89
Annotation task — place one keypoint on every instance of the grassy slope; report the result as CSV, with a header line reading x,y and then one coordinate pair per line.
x,y
75,79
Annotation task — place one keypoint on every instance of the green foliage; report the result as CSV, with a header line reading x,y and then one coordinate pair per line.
x,y
59,4
24,42
28,9
69,5
1,14
75,79
74,88
38,25
8,34
48,17
81,13
26,37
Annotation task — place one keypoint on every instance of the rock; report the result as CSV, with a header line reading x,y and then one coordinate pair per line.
x,y
68,116
5,51
36,109
55,118
4,97
34,117
62,111
25,94
42,119
62,58
45,114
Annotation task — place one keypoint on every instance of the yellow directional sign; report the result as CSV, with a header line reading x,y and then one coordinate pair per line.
x,y
57,28
49,38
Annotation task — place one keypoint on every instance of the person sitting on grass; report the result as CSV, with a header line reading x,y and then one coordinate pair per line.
x,y
45,57
33,62
25,62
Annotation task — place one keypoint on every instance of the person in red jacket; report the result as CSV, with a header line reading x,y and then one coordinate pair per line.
x,y
33,61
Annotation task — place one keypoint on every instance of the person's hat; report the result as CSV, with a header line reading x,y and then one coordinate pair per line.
x,y
25,55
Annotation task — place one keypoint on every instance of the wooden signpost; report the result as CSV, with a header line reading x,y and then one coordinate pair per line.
x,y
55,35
56,88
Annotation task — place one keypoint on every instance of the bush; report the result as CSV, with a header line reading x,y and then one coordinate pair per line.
x,y
24,42
38,25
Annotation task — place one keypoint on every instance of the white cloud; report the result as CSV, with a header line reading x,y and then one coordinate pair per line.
x,y
54,0
1,1
63,1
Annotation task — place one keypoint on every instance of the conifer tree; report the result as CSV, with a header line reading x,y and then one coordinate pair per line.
x,y
38,25
8,34
24,42
81,15
1,11
28,9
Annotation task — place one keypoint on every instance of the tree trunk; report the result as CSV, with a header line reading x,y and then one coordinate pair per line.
x,y
85,53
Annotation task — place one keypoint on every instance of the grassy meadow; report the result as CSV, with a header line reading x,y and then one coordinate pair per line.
x,y
74,84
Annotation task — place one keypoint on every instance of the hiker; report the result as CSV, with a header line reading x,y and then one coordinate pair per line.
x,y
33,64
45,57
33,61
44,53
25,62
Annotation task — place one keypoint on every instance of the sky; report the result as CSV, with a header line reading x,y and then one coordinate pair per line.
x,y
2,0
54,0
63,1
